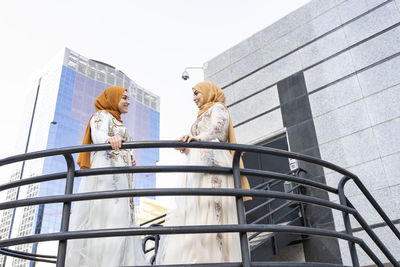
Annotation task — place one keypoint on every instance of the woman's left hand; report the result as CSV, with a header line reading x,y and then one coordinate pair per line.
x,y
115,142
188,138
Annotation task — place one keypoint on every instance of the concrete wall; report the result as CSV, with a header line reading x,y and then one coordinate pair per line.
x,y
328,75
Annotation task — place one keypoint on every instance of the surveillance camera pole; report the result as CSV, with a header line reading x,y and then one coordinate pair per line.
x,y
186,74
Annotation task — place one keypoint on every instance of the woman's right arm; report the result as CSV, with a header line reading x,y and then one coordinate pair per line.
x,y
99,127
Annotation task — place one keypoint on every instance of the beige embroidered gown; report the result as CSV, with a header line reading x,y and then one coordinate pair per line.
x,y
105,213
212,125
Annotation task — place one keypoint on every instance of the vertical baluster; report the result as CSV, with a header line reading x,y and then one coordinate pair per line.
x,y
244,244
62,246
346,219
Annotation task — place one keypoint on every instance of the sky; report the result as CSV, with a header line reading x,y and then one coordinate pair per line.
x,y
151,41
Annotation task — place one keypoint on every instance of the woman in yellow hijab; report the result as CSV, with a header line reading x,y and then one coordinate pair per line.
x,y
105,126
213,124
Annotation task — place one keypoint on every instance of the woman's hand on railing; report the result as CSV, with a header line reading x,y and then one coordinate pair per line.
x,y
182,150
187,139
115,142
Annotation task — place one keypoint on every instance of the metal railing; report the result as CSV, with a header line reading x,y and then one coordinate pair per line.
x,y
293,212
242,227
291,215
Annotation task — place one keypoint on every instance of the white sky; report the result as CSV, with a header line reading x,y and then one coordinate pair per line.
x,y
151,41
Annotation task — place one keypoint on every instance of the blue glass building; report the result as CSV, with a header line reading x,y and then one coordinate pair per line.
x,y
66,94
81,82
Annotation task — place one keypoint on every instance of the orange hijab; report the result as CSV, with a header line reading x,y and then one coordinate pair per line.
x,y
213,94
108,100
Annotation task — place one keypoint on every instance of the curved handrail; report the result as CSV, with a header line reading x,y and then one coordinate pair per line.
x,y
241,227
27,256
244,228
171,192
174,144
371,200
362,222
165,169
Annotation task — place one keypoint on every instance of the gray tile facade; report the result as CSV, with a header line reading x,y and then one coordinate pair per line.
x,y
278,48
373,3
373,22
335,96
384,106
246,47
223,77
391,168
268,124
347,113
372,175
329,71
218,63
350,9
384,232
387,137
351,150
380,77
367,53
247,64
361,203
255,105
318,26
323,48
249,85
341,122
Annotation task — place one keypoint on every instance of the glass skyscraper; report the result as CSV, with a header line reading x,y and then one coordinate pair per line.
x,y
65,101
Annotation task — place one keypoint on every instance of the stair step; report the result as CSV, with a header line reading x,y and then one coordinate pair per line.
x,y
262,236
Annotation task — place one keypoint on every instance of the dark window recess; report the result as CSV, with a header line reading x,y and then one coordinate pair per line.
x,y
268,163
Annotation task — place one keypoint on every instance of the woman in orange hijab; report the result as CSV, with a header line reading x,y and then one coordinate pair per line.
x,y
213,124
106,126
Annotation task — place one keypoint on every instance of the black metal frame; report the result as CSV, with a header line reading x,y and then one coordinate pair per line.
x,y
242,228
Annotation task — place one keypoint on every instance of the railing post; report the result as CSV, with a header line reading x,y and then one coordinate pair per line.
x,y
302,211
375,204
346,219
244,243
69,185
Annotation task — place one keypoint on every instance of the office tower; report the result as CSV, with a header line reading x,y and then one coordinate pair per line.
x,y
66,92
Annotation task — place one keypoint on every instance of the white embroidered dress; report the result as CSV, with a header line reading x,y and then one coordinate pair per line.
x,y
212,125
105,213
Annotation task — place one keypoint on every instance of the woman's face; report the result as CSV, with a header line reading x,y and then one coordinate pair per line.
x,y
198,98
124,103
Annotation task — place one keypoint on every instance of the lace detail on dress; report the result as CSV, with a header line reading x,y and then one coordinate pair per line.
x,y
216,181
208,157
212,125
131,200
218,210
97,119
219,240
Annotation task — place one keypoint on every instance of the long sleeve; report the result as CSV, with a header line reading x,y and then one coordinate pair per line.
x,y
99,126
217,127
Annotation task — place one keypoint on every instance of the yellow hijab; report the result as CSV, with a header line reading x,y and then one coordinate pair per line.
x,y
213,94
108,100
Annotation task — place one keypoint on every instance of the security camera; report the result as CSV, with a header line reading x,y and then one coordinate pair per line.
x,y
185,75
